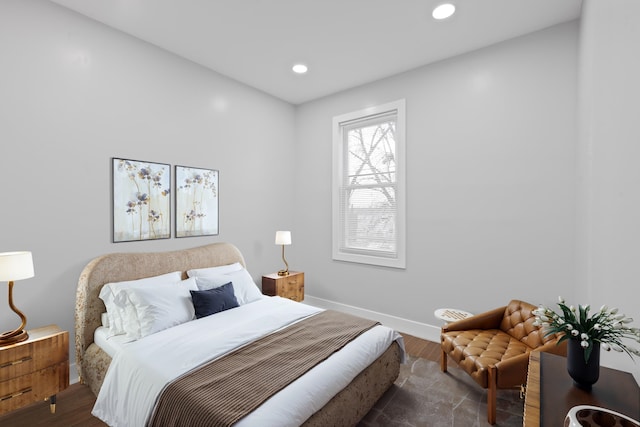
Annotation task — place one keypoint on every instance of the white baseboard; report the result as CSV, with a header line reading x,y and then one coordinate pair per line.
x,y
73,374
417,329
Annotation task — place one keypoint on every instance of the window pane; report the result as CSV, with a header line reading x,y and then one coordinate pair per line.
x,y
371,155
370,219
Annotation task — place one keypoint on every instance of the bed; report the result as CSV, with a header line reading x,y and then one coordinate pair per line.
x,y
368,371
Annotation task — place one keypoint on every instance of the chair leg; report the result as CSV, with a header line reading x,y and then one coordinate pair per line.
x,y
491,395
443,360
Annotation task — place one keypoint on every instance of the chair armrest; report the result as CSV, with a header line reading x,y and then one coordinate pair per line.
x,y
554,348
487,320
513,371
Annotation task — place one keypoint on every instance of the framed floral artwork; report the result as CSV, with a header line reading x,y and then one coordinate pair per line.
x,y
196,202
141,200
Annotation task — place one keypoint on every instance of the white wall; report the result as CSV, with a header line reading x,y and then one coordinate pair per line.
x,y
491,178
74,93
610,161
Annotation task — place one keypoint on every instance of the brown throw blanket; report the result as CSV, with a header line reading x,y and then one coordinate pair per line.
x,y
223,391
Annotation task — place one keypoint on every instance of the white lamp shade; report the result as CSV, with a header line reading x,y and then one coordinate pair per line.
x,y
283,237
16,266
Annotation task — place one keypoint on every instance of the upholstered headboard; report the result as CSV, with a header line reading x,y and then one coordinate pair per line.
x,y
118,267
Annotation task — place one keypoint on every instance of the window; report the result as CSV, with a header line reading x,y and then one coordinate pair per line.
x,y
368,186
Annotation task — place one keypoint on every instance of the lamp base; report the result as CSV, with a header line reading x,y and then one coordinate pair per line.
x,y
283,273
13,337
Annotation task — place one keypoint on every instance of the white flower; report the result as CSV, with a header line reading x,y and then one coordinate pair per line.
x,y
536,323
606,326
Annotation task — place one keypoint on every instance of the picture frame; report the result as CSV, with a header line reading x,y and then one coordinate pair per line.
x,y
141,200
197,201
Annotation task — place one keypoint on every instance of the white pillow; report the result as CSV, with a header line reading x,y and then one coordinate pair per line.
x,y
211,282
244,288
159,307
215,271
116,314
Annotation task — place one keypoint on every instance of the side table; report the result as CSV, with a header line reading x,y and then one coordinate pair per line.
x,y
550,392
35,369
451,314
290,286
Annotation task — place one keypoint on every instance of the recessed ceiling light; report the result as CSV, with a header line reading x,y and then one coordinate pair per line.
x,y
443,11
300,69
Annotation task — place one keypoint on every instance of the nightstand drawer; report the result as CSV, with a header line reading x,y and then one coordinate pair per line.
x,y
31,356
291,281
16,361
292,288
39,385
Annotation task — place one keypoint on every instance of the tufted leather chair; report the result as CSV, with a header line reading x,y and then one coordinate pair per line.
x,y
494,347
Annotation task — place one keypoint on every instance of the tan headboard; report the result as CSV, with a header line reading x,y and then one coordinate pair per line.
x,y
118,267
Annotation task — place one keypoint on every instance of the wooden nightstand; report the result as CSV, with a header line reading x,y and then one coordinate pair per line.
x,y
35,369
291,286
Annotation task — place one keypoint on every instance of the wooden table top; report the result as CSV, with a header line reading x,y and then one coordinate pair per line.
x,y
551,393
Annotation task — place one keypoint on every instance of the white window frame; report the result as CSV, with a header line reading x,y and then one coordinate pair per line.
x,y
340,124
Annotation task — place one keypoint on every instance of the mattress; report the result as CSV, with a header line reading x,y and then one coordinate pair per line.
x,y
140,369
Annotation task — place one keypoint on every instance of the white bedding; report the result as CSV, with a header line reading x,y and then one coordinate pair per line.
x,y
141,369
109,343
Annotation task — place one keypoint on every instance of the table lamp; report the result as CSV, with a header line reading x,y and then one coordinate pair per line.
x,y
283,238
15,266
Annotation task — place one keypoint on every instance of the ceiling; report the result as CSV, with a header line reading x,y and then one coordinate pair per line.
x,y
345,43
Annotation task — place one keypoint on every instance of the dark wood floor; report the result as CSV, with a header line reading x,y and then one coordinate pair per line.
x,y
75,403
421,348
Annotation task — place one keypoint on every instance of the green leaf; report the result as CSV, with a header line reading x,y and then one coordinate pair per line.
x,y
587,352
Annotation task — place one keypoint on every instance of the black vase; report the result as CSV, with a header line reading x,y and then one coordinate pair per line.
x,y
584,374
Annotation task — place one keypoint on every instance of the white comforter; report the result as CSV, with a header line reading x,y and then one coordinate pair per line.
x,y
141,369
